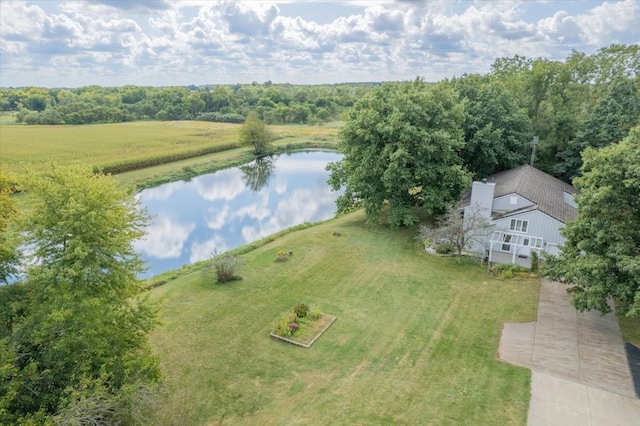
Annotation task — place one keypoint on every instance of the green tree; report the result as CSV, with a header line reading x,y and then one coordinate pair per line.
x,y
254,132
601,257
8,255
496,131
194,104
77,344
612,119
400,144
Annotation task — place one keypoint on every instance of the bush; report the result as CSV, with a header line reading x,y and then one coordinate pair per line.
x,y
445,248
222,267
282,325
282,255
220,117
315,313
301,310
293,327
534,261
508,271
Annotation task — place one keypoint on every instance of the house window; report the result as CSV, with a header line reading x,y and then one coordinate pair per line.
x,y
513,199
519,225
506,238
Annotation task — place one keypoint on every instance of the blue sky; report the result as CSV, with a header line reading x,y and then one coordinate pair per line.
x,y
117,42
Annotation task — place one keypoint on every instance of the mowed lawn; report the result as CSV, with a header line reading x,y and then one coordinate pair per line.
x,y
415,341
108,144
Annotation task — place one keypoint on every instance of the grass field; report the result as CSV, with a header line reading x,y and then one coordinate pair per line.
x,y
414,343
108,144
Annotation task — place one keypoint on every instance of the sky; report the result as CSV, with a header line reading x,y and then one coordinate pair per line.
x,y
182,42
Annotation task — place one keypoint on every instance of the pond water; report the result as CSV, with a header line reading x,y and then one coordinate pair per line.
x,y
233,207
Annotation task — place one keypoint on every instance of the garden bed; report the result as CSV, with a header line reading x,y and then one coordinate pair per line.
x,y
307,336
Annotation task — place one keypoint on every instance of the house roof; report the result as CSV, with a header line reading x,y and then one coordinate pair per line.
x,y
542,189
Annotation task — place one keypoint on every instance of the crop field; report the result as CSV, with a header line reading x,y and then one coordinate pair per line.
x,y
131,144
414,343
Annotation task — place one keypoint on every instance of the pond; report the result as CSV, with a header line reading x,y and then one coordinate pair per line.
x,y
233,207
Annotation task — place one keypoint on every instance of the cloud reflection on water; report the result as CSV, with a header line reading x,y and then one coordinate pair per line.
x,y
165,238
219,212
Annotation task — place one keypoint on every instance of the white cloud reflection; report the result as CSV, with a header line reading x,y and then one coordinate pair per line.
x,y
165,238
217,218
223,185
162,192
203,250
301,206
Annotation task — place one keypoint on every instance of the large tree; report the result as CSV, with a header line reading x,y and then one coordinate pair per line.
x,y
601,257
400,144
613,117
497,132
75,345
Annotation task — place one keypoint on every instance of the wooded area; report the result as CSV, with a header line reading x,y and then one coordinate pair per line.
x,y
274,103
585,100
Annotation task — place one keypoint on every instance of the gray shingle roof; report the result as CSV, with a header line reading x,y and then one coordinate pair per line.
x,y
542,189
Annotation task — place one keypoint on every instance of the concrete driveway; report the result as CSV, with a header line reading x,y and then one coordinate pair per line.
x,y
580,374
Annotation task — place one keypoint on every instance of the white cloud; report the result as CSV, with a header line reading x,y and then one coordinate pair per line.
x,y
165,239
137,42
611,22
561,28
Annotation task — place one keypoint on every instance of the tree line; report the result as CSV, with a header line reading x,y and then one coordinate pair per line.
x,y
274,103
585,100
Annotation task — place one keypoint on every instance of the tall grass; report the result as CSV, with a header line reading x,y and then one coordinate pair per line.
x,y
124,146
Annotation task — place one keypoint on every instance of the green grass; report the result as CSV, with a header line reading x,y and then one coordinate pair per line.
x,y
630,328
415,341
105,145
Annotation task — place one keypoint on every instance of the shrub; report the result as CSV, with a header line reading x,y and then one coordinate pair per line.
x,y
293,327
301,310
314,313
445,248
508,271
534,261
220,117
222,267
282,255
282,325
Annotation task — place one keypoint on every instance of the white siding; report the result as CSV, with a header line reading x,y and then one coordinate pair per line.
x,y
503,203
540,225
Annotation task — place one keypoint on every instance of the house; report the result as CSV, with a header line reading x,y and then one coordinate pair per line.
x,y
526,208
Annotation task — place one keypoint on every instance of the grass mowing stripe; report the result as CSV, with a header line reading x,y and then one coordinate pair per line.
x,y
414,343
